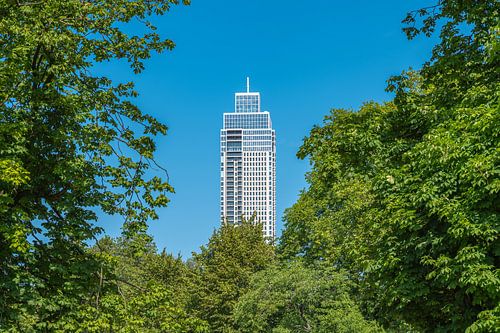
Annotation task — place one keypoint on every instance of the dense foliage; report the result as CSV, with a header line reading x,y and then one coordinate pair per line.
x,y
70,142
405,195
294,298
223,269
138,292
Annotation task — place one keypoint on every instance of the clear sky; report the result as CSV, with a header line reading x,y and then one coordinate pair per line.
x,y
303,57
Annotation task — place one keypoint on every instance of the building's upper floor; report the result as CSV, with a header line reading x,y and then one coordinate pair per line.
x,y
247,113
247,101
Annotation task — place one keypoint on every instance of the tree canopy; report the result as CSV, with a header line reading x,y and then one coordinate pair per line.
x,y
223,270
405,195
71,142
297,299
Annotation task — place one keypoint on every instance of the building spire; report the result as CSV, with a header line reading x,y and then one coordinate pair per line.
x,y
248,84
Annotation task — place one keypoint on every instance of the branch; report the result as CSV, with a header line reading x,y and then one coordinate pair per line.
x,y
425,8
130,284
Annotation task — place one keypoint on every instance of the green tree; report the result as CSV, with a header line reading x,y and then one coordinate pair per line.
x,y
339,218
71,142
405,196
139,292
297,299
333,220
223,269
442,210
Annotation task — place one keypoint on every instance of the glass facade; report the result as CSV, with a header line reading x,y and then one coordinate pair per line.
x,y
247,120
248,164
247,102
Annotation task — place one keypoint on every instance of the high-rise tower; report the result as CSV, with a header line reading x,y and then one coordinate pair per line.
x,y
248,164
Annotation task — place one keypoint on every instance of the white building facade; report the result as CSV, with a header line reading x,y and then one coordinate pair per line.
x,y
248,164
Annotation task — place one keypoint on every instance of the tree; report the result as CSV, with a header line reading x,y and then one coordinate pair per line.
x,y
332,220
141,292
339,218
405,196
71,143
443,205
223,269
297,299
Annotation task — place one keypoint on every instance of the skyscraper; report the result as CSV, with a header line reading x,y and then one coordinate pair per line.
x,y
248,163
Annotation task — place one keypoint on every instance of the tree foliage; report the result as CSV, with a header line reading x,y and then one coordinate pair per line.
x,y
139,292
223,270
299,299
405,195
71,142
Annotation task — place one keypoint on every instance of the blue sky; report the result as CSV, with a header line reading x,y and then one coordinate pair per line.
x,y
303,57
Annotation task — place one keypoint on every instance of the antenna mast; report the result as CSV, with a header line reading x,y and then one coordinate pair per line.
x,y
248,84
